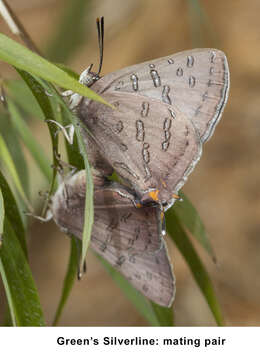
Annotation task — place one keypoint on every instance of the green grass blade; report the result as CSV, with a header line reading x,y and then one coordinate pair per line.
x,y
50,106
179,236
68,70
32,145
13,214
40,87
156,315
49,110
22,296
22,95
8,161
7,314
89,203
11,139
2,215
189,217
24,59
69,279
89,206
11,305
163,314
70,31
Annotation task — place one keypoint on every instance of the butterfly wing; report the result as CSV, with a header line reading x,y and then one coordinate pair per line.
x,y
194,81
129,238
95,157
150,144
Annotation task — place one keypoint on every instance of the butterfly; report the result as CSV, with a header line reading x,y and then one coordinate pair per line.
x,y
163,112
129,237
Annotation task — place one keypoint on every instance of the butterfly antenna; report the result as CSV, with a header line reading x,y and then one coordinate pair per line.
x,y
100,29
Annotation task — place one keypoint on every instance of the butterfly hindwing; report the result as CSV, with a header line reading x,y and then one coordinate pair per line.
x,y
129,238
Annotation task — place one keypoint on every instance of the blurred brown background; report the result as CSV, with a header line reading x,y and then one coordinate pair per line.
x,y
224,187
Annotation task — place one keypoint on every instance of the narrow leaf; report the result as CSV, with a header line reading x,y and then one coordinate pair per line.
x,y
20,289
179,236
12,142
189,217
163,314
2,216
24,59
69,278
89,206
68,70
22,95
45,103
33,146
11,305
12,212
55,96
8,161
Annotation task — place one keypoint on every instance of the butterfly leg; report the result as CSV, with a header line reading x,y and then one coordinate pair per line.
x,y
62,164
47,218
69,134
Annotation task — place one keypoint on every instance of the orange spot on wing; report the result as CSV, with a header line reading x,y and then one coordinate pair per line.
x,y
154,195
175,196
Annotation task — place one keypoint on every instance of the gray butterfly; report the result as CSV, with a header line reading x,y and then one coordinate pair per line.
x,y
129,237
165,110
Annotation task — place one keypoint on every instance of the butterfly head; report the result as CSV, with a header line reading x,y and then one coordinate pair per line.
x,y
88,77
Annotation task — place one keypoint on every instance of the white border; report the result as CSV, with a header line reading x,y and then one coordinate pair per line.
x,y
38,343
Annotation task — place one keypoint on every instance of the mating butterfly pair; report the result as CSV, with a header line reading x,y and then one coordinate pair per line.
x,y
165,110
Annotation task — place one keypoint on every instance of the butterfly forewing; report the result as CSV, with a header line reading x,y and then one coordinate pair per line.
x,y
150,144
94,154
129,238
194,81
